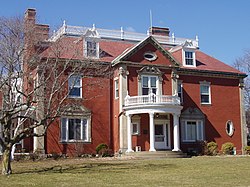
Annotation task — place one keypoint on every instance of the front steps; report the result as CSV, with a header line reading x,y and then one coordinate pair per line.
x,y
157,154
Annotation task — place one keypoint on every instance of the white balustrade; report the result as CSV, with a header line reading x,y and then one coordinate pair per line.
x,y
116,34
151,99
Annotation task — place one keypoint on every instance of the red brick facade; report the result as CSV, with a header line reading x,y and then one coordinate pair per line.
x,y
127,60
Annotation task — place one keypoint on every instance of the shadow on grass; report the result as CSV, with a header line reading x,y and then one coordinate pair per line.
x,y
98,167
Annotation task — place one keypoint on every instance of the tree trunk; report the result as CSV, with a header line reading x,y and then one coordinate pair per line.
x,y
6,170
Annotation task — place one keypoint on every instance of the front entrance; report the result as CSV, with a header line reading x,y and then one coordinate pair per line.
x,y
162,136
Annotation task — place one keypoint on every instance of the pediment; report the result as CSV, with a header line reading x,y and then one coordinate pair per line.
x,y
148,45
91,33
75,110
192,113
189,44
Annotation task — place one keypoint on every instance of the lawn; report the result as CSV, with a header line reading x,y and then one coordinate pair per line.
x,y
195,171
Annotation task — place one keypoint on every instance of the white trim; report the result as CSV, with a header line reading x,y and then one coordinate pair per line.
x,y
116,88
80,87
184,57
231,128
205,83
87,130
199,133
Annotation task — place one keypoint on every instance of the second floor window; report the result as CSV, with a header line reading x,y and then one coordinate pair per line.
x,y
179,90
75,86
149,85
116,89
205,94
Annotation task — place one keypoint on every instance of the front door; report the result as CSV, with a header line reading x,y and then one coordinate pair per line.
x,y
161,136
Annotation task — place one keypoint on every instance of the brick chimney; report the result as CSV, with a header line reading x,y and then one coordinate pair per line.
x,y
159,31
30,16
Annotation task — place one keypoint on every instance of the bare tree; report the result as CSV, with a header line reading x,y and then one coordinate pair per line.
x,y
34,82
243,64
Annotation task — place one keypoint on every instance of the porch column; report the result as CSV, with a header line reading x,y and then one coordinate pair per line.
x,y
152,132
129,134
176,133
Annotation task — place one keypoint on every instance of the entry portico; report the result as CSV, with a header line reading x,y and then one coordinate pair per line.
x,y
153,104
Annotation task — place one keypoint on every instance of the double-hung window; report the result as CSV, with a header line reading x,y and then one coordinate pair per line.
x,y
74,129
135,128
205,93
189,58
92,49
75,86
180,91
116,89
149,85
193,131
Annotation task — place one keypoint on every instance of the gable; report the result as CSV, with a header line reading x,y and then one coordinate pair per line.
x,y
149,45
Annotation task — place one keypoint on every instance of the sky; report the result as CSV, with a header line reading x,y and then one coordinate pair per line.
x,y
223,26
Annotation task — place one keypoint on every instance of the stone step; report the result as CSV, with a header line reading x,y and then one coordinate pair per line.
x,y
157,154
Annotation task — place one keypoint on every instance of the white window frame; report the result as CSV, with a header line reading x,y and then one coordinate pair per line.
x,y
199,124
204,83
86,48
137,124
184,57
116,88
87,131
149,83
75,86
180,92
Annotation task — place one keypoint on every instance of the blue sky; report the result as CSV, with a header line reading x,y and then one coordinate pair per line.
x,y
223,26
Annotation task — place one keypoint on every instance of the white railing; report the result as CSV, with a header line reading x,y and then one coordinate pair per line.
x,y
151,99
119,34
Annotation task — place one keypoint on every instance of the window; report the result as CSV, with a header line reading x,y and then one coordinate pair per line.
x,y
205,93
92,49
74,129
179,90
149,85
75,86
1,135
193,131
230,128
135,128
116,89
189,58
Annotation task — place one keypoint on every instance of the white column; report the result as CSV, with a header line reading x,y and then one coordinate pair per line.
x,y
176,133
129,137
152,132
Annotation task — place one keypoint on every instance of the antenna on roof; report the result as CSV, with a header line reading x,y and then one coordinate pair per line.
x,y
151,22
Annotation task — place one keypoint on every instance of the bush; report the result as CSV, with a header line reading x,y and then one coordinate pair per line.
x,y
102,149
247,150
212,148
227,148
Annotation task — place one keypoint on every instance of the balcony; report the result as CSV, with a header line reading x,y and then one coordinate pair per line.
x,y
152,99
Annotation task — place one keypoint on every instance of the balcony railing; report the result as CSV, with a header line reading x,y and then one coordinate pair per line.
x,y
152,99
119,34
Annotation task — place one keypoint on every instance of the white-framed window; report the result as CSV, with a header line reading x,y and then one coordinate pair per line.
x,y
149,84
229,128
91,48
189,58
75,130
180,90
116,88
75,86
205,93
193,131
135,128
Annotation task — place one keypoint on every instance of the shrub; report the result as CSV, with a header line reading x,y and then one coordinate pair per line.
x,y
247,150
212,148
102,149
227,148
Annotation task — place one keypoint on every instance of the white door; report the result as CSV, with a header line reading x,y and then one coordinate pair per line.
x,y
162,136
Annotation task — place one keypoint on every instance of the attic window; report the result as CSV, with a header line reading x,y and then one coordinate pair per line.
x,y
150,56
189,58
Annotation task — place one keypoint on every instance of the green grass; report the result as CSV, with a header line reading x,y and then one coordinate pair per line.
x,y
196,171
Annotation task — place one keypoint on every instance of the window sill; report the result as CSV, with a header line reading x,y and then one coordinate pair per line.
x,y
206,104
74,141
136,134
74,97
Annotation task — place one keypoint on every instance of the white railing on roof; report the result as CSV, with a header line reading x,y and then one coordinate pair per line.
x,y
151,99
119,35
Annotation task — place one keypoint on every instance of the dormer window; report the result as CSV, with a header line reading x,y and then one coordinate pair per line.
x,y
91,44
91,49
189,58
